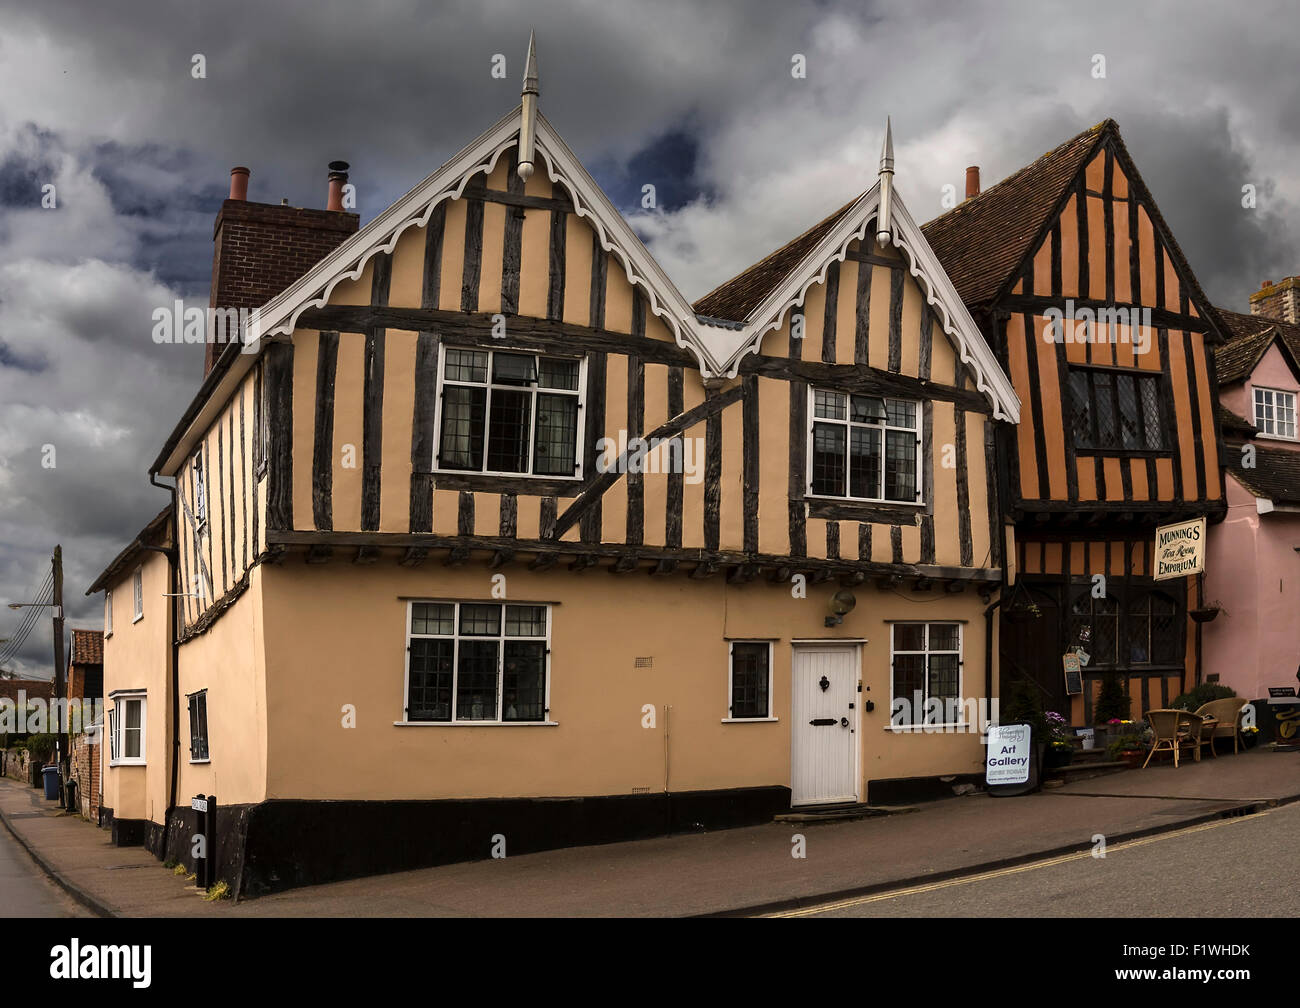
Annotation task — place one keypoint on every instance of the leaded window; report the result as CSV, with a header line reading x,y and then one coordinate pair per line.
x,y
1129,625
510,413
1116,410
477,662
925,659
751,667
864,447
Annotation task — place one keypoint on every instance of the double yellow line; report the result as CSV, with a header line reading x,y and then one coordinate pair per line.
x,y
1002,872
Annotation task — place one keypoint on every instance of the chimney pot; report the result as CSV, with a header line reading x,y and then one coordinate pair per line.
x,y
239,183
338,179
972,181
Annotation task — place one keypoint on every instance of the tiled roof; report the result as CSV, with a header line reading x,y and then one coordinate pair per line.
x,y
982,241
1250,336
1231,423
736,299
156,533
1276,475
87,647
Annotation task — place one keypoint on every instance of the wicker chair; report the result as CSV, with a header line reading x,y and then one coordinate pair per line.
x,y
1227,712
1174,730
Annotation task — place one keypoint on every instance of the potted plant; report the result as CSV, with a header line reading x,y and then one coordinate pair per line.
x,y
1130,748
1249,737
1022,612
1060,750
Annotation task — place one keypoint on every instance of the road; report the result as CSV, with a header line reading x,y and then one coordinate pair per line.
x,y
24,889
1227,868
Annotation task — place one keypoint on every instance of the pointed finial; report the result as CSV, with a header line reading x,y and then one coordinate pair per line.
x,y
528,125
883,230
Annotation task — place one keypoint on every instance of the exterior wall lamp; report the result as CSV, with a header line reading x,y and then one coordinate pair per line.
x,y
842,603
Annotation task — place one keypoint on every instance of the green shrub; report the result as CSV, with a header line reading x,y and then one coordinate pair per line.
x,y
41,747
1021,705
1112,702
1201,695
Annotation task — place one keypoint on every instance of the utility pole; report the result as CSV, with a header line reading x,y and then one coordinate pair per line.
x,y
61,751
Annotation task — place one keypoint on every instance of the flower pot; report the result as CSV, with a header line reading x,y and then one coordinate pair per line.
x,y
1204,615
1133,757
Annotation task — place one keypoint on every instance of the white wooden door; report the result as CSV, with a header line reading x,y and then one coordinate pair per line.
x,y
823,744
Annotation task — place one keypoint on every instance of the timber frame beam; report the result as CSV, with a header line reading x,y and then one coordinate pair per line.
x,y
740,568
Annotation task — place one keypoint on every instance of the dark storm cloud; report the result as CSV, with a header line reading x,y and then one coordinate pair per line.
x,y
698,99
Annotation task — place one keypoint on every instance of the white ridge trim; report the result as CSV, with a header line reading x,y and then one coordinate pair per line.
x,y
718,349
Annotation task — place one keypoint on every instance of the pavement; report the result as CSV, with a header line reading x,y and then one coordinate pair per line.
x,y
738,871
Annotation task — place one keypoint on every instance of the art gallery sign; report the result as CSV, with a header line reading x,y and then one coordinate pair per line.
x,y
1180,549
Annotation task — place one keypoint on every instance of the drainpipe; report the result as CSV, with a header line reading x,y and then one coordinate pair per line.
x,y
988,620
173,577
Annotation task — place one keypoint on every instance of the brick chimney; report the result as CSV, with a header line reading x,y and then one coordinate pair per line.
x,y
1279,300
259,249
972,181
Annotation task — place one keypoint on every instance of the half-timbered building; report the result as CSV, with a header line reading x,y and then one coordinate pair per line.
x,y
1080,287
484,530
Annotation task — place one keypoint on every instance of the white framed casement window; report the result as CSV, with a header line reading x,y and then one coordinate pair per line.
x,y
925,672
200,492
477,663
108,612
864,448
126,723
509,413
749,681
199,727
1275,413
137,590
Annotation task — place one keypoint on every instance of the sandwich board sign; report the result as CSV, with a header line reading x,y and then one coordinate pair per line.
x,y
1180,549
1007,761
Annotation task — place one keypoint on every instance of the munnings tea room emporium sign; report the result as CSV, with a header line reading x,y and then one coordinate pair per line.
x,y
1180,549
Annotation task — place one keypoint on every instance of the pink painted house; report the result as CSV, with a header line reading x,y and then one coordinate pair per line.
x,y
1252,564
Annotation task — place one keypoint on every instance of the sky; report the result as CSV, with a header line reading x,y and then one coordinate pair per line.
x,y
100,99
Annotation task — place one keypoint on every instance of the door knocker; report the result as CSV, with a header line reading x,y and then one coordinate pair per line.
x,y
825,684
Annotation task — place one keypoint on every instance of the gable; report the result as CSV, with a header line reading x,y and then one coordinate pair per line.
x,y
1080,223
1108,245
771,296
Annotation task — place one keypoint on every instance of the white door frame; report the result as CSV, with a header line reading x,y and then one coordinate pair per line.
x,y
855,647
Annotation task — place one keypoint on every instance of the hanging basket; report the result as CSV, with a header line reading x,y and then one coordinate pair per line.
x,y
1204,615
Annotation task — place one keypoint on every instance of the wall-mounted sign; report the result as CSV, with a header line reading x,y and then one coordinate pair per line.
x,y
1007,761
199,804
1073,674
1180,549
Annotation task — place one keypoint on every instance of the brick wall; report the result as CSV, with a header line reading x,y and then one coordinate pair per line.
x,y
260,249
85,771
